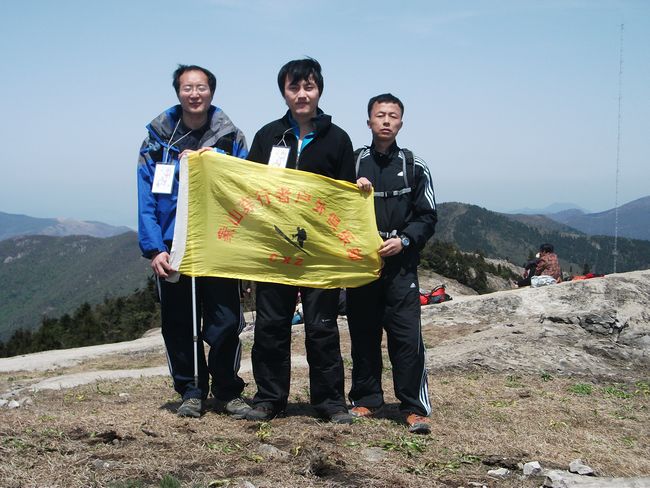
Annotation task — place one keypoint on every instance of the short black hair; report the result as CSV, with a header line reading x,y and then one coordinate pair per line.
x,y
301,69
182,68
385,98
546,248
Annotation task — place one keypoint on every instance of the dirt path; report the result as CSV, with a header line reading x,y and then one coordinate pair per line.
x,y
63,358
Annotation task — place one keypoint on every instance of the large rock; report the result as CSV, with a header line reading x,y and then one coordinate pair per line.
x,y
578,467
598,327
563,479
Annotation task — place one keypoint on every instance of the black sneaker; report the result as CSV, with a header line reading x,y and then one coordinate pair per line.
x,y
261,412
237,408
191,407
342,418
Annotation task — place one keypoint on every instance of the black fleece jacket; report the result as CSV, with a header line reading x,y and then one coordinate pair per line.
x,y
328,154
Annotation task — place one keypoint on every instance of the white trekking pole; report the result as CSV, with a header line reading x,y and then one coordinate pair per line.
x,y
195,335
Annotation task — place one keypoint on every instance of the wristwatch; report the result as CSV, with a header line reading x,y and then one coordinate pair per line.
x,y
405,241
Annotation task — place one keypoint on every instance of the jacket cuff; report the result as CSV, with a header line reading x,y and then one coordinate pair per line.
x,y
153,253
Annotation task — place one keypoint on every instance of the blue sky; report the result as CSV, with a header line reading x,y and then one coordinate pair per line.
x,y
512,103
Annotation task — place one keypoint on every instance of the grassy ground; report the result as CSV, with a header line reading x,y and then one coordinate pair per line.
x,y
125,434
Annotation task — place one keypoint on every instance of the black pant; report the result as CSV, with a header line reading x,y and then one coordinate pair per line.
x,y
392,303
271,355
217,302
524,281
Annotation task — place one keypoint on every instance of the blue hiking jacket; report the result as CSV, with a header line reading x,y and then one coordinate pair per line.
x,y
156,211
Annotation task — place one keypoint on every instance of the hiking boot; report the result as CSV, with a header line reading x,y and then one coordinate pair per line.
x,y
261,412
342,418
363,412
190,408
236,408
418,424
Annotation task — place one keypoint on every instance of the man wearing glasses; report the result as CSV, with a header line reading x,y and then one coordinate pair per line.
x,y
194,123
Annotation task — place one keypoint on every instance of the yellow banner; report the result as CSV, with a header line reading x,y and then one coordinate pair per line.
x,y
240,219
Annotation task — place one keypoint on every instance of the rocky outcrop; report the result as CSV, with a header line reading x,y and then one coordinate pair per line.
x,y
598,327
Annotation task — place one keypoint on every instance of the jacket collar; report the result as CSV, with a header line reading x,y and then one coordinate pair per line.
x,y
162,126
322,121
392,152
165,123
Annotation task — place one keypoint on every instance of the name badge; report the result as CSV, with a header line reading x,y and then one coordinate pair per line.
x,y
279,156
163,178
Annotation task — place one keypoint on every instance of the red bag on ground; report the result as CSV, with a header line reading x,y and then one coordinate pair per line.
x,y
439,295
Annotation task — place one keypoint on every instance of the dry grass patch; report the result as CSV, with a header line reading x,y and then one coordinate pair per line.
x,y
132,360
125,434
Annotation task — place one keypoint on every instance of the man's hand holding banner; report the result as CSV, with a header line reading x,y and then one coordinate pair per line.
x,y
240,219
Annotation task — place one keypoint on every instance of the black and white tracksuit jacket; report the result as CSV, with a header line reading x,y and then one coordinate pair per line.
x,y
393,302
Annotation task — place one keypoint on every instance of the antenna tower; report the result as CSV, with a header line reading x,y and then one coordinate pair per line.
x,y
618,144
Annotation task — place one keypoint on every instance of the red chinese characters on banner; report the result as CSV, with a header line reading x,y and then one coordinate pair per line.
x,y
283,195
225,234
262,199
235,216
293,260
246,205
355,254
320,207
333,221
346,237
266,198
301,196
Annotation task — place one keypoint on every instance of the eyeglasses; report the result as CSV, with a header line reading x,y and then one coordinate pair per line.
x,y
202,89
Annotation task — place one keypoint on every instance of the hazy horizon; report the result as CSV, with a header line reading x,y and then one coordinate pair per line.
x,y
513,104
552,208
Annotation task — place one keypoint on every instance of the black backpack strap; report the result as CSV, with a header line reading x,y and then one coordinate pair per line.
x,y
409,160
394,193
358,154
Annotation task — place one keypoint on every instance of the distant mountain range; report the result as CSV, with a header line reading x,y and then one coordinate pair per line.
x,y
633,220
553,208
49,276
516,237
12,225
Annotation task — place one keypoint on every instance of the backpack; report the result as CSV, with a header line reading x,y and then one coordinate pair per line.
x,y
437,295
407,160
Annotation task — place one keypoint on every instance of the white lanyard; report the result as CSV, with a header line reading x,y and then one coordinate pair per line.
x,y
170,143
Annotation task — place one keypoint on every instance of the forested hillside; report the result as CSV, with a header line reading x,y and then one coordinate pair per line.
x,y
125,318
473,228
113,320
468,268
45,276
